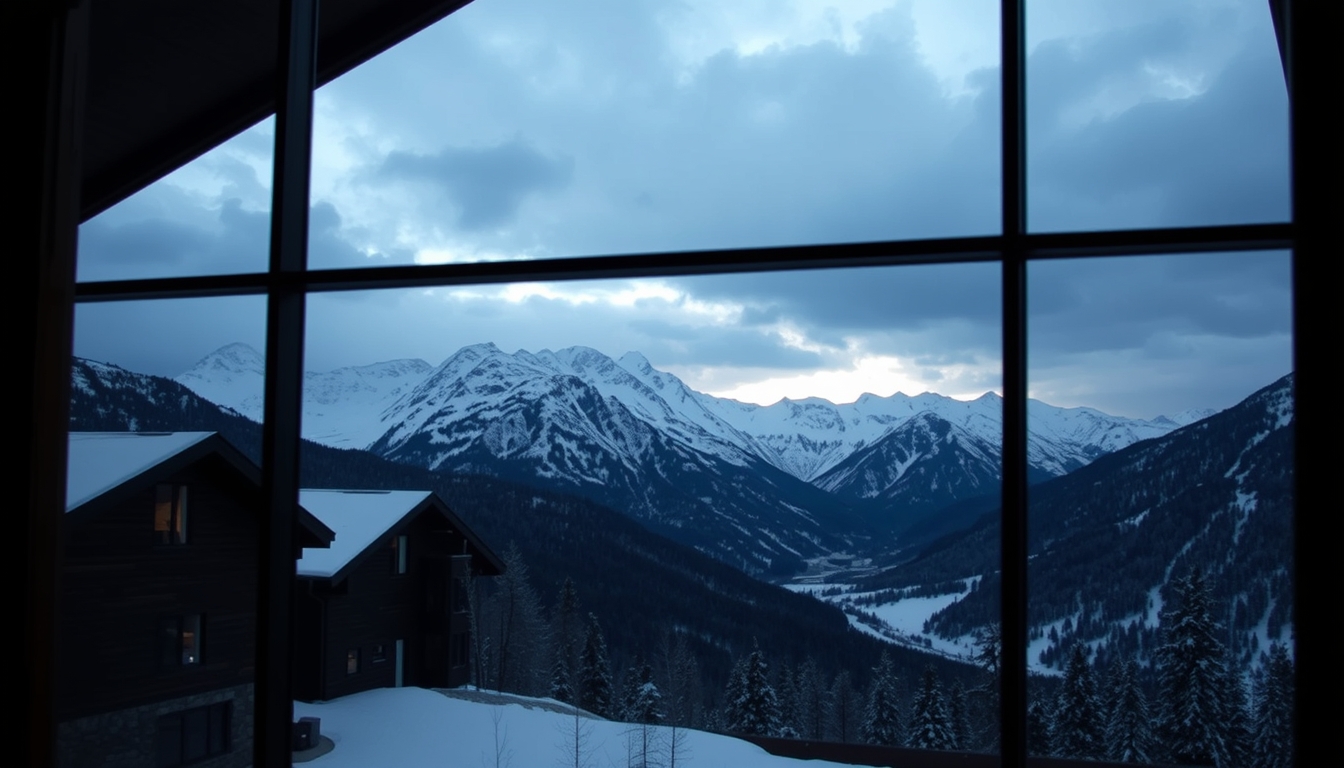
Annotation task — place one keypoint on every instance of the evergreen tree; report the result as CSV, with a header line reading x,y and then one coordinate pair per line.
x,y
843,715
752,707
1193,715
1079,727
565,643
1039,727
595,672
787,694
881,718
930,724
1236,714
984,698
561,690
812,702
1272,730
681,673
961,719
644,703
1129,735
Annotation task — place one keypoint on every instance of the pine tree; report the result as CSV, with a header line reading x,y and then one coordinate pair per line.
x,y
812,701
752,707
984,698
786,692
958,710
1129,735
1192,720
930,724
881,718
843,713
1039,726
1272,730
595,672
565,643
645,703
1079,726
561,690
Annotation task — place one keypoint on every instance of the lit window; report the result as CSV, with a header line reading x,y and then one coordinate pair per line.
x,y
181,640
170,514
352,661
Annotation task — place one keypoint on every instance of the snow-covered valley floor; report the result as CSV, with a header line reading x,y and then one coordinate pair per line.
x,y
415,727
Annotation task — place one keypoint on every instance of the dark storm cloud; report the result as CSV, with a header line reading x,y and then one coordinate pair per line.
x,y
866,299
184,240
1121,304
486,185
1217,157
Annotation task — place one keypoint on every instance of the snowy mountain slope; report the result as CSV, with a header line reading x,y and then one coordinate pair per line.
x,y
922,465
353,407
762,487
1107,540
340,407
527,418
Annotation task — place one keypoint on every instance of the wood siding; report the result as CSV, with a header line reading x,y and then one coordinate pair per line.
x,y
118,586
374,606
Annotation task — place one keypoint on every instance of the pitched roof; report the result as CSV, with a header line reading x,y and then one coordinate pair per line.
x,y
105,465
363,519
102,461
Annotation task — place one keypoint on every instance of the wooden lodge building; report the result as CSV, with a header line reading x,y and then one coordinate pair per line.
x,y
158,593
158,598
386,604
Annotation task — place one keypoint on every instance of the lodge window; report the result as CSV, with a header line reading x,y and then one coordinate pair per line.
x,y
379,653
192,735
352,661
182,640
170,514
398,547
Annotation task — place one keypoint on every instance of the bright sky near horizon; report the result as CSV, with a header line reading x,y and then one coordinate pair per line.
x,y
530,129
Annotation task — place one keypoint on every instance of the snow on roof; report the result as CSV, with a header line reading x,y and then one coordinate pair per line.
x,y
101,461
358,518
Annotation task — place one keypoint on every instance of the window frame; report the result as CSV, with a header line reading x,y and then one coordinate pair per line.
x,y
288,281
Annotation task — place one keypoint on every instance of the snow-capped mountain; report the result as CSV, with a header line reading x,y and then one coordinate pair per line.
x,y
758,485
1107,541
337,405
920,466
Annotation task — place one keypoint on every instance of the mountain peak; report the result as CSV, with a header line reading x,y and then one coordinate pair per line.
x,y
237,357
635,362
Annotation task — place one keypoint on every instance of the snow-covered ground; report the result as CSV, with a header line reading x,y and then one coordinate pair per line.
x,y
414,727
900,621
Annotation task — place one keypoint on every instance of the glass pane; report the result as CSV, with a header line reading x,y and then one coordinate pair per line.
x,y
1161,602
160,550
212,216
1154,114
753,430
526,129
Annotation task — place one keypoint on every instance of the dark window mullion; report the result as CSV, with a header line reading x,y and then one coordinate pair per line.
x,y
1013,522
296,77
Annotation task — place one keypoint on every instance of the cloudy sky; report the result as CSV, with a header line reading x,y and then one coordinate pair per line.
x,y
530,129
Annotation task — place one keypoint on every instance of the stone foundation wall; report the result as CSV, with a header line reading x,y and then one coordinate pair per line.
x,y
125,738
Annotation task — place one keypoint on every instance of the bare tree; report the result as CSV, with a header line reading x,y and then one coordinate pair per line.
x,y
503,756
575,747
